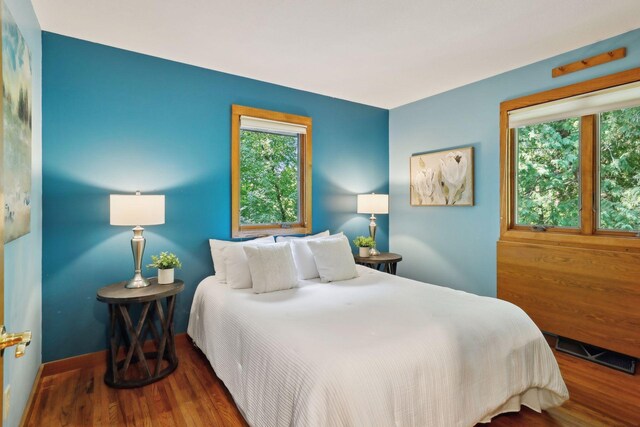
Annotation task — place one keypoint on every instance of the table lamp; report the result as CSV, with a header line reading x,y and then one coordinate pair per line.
x,y
136,210
373,204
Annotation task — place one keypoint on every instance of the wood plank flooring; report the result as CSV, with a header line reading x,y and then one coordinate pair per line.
x,y
191,396
194,396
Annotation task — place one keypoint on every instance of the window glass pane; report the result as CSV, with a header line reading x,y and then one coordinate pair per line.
x,y
619,179
269,174
547,174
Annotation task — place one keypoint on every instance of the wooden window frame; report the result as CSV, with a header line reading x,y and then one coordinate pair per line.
x,y
304,225
586,235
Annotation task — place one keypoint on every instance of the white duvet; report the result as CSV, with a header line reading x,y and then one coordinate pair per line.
x,y
378,350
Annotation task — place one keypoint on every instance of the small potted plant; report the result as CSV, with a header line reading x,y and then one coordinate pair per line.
x,y
166,263
365,244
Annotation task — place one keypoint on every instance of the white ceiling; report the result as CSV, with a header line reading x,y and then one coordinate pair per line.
x,y
378,52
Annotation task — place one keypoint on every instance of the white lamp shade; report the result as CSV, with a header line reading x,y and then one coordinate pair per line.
x,y
373,203
136,209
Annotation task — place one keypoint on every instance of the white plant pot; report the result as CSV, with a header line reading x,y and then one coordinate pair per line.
x,y
364,252
165,276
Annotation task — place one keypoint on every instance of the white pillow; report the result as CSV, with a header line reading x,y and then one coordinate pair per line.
x,y
291,238
302,256
217,246
237,266
272,267
334,259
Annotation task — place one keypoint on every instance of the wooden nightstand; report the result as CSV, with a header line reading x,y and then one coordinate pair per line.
x,y
387,259
155,318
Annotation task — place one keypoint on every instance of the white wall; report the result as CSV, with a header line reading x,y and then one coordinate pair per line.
x,y
23,257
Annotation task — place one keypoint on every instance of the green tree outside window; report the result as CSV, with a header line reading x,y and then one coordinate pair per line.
x,y
620,170
269,178
547,174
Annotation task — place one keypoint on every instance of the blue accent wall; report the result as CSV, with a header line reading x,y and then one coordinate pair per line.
x,y
23,256
117,122
456,246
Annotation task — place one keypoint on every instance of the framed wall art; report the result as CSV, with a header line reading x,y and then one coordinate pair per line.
x,y
16,79
442,178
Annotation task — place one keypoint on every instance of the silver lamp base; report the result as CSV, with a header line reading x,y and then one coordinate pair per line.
x,y
372,233
137,282
137,247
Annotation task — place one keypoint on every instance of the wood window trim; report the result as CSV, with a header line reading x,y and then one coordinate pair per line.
x,y
586,235
304,226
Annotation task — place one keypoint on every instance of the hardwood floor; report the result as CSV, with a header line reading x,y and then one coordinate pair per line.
x,y
194,396
191,396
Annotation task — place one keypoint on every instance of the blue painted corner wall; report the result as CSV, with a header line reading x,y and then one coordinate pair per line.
x,y
456,246
117,122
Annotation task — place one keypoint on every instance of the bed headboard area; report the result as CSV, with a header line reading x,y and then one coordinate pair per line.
x,y
586,294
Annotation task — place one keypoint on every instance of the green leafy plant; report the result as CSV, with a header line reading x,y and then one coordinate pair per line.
x,y
364,242
165,261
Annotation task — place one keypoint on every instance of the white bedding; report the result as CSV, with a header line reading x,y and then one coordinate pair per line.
x,y
378,350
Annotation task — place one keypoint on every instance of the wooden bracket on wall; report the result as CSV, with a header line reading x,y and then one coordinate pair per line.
x,y
603,58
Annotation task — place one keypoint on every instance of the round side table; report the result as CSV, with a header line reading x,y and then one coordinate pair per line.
x,y
387,260
130,330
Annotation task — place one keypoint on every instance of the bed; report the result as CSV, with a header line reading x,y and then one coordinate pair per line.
x,y
377,350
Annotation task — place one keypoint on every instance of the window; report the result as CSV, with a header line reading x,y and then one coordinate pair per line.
x,y
271,172
571,161
619,171
547,177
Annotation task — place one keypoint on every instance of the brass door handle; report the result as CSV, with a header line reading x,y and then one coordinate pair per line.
x,y
21,341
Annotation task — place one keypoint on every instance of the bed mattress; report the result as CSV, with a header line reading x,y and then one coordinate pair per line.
x,y
377,350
